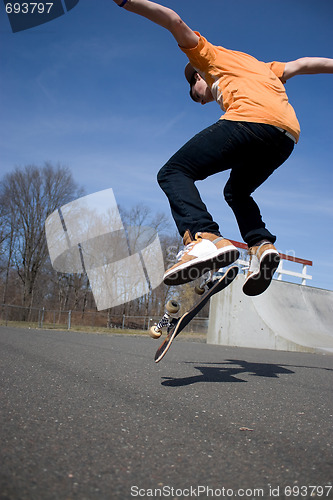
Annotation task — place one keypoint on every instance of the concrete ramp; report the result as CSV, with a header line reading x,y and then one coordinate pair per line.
x,y
286,317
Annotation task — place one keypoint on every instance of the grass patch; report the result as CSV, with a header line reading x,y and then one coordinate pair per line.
x,y
89,329
75,328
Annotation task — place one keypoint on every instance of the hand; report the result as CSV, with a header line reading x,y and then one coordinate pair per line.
x,y
120,3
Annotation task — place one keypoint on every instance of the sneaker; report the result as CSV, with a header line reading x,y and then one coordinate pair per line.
x,y
264,260
206,252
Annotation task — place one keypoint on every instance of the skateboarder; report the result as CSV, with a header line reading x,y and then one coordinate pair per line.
x,y
256,134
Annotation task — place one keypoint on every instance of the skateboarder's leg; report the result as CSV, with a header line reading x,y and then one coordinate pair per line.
x,y
264,149
201,157
258,163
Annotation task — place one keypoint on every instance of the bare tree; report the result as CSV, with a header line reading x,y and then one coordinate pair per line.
x,y
27,196
138,217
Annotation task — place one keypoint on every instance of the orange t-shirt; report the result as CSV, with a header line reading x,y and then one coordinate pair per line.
x,y
245,88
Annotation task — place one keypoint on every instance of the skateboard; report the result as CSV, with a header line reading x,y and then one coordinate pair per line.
x,y
213,284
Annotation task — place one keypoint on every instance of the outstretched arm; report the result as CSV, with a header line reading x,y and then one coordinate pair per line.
x,y
165,17
307,66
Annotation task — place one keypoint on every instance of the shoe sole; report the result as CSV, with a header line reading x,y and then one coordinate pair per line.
x,y
258,282
192,270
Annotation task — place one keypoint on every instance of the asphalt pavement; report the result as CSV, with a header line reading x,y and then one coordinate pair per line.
x,y
91,416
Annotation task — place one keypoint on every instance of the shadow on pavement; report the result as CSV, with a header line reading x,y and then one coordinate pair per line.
x,y
229,371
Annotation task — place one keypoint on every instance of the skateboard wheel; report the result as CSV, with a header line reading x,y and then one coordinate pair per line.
x,y
172,307
154,332
199,290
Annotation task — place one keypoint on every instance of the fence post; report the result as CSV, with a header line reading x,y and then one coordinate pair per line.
x,y
304,272
69,319
43,311
123,325
41,317
279,271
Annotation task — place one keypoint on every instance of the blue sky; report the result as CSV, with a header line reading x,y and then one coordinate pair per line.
x,y
102,91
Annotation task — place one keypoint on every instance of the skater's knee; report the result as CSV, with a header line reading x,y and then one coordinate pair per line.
x,y
167,173
233,195
162,175
228,194
174,173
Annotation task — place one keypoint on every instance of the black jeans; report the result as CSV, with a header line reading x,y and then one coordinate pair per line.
x,y
251,150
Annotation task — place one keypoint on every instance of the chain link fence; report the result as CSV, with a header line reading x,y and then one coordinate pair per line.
x,y
12,315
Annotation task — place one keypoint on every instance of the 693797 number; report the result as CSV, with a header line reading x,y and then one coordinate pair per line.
x,y
307,491
29,8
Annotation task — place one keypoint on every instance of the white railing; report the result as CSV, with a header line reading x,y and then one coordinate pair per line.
x,y
303,275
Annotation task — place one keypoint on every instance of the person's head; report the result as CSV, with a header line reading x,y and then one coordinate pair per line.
x,y
199,90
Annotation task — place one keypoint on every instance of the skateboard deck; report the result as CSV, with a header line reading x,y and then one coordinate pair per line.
x,y
184,320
